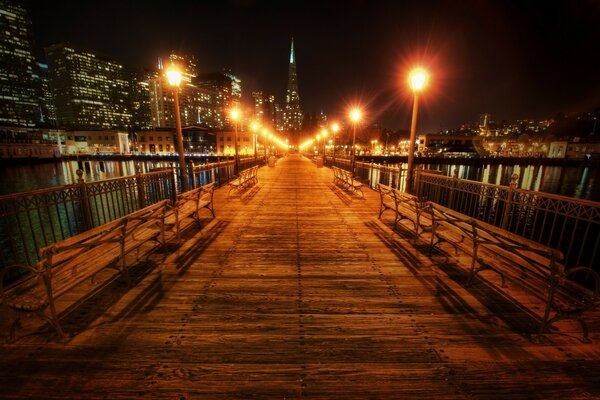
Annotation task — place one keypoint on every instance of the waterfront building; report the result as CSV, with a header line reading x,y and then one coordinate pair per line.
x,y
293,114
577,148
226,91
157,141
90,91
19,100
30,143
199,140
226,143
96,142
443,144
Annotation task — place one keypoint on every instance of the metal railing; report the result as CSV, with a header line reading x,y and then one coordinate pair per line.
x,y
373,173
35,219
31,220
568,224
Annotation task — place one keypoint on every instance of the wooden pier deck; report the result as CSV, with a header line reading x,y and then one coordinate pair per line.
x,y
297,290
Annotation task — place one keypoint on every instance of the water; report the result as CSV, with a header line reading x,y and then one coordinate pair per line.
x,y
580,182
21,178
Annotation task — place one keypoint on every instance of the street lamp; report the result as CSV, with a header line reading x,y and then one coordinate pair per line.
x,y
324,134
265,132
255,126
174,78
418,80
235,114
355,116
334,127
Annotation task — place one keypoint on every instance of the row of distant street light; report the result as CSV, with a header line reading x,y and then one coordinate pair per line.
x,y
418,79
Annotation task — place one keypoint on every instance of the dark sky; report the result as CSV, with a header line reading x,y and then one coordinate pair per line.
x,y
514,59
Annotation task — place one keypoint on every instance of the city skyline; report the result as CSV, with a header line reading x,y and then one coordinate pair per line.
x,y
509,59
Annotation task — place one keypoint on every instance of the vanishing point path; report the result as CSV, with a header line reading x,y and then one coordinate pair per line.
x,y
297,290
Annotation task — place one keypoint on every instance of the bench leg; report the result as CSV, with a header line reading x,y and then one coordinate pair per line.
x,y
53,320
13,327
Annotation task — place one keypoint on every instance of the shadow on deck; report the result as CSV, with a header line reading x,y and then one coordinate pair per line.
x,y
297,290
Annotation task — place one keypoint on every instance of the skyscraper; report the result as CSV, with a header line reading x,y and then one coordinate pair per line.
x,y
293,115
264,108
90,91
19,100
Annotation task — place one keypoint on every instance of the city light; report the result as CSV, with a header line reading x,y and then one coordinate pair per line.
x,y
418,79
355,115
173,76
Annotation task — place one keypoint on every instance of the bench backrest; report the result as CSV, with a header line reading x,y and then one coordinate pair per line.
x,y
76,246
148,217
206,193
400,198
531,256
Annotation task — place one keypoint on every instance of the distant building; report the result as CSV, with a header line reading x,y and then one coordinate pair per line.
x,y
96,142
292,118
30,143
226,143
264,108
47,109
90,91
443,144
199,140
155,142
141,114
19,102
226,91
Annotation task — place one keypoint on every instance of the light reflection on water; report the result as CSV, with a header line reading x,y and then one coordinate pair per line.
x,y
21,178
580,182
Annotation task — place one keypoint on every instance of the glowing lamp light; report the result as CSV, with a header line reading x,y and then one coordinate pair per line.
x,y
174,76
355,115
254,126
418,78
335,127
235,114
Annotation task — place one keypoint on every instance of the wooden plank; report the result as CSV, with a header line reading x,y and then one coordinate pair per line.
x,y
295,292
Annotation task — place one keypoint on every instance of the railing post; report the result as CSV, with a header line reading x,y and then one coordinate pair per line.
x,y
417,183
453,189
509,200
172,181
86,207
139,180
193,175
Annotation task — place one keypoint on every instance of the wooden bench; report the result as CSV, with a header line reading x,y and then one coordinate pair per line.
x,y
187,207
65,265
245,179
535,268
346,181
404,205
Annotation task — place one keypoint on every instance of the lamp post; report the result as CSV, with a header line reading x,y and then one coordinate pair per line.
x,y
264,132
418,80
334,128
174,78
255,126
355,116
324,134
235,114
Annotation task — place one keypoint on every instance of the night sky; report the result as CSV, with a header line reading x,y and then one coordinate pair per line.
x,y
521,59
